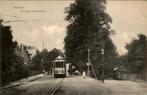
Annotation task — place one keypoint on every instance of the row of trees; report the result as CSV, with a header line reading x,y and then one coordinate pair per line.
x,y
43,60
135,59
89,28
12,66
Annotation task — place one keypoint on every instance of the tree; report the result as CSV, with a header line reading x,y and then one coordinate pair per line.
x,y
36,61
54,53
12,65
43,60
145,69
89,27
7,52
136,54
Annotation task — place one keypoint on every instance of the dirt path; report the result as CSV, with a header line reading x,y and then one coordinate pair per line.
x,y
81,86
77,85
89,86
124,87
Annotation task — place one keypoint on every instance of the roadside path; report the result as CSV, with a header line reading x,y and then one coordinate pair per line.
x,y
24,80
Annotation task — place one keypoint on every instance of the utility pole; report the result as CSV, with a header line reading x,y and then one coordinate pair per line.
x,y
42,65
42,60
102,65
88,64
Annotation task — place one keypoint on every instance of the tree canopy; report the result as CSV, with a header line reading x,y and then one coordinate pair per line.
x,y
12,65
88,27
136,54
43,60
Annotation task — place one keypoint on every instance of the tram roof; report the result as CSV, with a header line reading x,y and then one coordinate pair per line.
x,y
59,58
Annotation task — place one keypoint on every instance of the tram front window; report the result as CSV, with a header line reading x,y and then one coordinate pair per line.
x,y
59,64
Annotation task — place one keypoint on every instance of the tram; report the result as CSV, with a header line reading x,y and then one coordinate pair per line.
x,y
59,67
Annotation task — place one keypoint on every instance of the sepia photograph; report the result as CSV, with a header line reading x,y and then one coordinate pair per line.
x,y
73,47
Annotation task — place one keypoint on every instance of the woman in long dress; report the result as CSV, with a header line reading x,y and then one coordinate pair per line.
x,y
84,74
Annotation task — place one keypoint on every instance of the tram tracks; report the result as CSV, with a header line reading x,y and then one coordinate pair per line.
x,y
50,91
53,91
37,91
7,91
12,89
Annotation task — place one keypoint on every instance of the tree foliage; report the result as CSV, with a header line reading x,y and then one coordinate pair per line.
x,y
88,27
136,54
43,60
36,61
12,65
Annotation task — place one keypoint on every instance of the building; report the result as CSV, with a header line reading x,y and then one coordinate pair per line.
x,y
23,51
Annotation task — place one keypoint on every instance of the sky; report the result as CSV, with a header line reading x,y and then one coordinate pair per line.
x,y
44,22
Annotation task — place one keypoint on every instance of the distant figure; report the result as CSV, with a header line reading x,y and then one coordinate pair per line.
x,y
26,74
84,74
43,72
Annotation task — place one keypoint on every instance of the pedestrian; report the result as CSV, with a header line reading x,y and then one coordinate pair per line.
x,y
26,74
84,74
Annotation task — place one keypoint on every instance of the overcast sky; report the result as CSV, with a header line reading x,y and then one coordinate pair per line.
x,y
48,24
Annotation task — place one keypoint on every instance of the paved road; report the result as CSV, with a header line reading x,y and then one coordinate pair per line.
x,y
77,85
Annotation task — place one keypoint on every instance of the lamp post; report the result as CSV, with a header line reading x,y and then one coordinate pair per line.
x,y
102,51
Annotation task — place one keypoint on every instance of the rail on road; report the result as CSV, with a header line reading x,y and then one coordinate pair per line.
x,y
51,91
